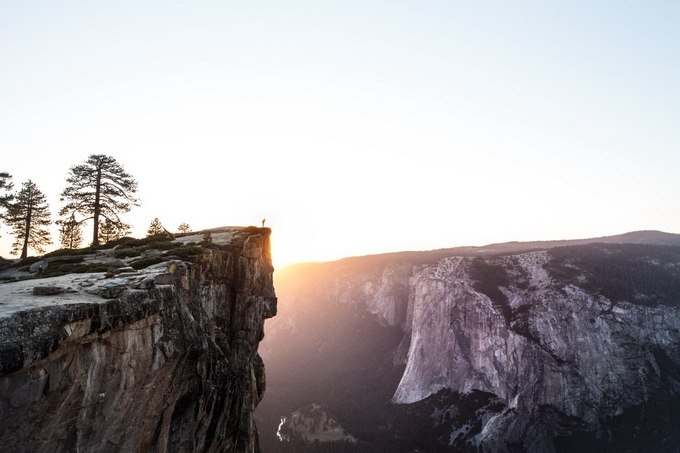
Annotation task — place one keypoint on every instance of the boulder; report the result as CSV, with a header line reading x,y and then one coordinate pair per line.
x,y
38,266
48,290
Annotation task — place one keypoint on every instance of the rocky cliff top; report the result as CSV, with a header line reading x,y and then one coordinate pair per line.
x,y
75,276
139,345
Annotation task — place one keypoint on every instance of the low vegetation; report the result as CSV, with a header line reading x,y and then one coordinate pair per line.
x,y
4,264
636,273
79,268
125,251
143,263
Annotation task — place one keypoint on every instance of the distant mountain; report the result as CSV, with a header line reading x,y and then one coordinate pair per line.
x,y
531,346
650,237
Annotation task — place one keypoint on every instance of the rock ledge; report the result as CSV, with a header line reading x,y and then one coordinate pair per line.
x,y
155,358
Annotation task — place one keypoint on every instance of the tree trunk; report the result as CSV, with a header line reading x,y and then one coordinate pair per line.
x,y
27,232
95,220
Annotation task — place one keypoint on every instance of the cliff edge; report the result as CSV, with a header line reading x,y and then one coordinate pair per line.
x,y
138,358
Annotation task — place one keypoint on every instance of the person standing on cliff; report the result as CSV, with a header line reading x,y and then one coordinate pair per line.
x,y
263,222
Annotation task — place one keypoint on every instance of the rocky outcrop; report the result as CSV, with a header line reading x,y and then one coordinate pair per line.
x,y
562,358
314,425
159,359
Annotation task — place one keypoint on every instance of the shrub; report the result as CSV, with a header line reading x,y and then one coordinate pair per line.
x,y
130,242
81,268
125,240
4,263
26,262
186,252
163,244
146,262
70,252
127,252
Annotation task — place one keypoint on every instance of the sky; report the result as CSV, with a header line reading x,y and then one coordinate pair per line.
x,y
354,127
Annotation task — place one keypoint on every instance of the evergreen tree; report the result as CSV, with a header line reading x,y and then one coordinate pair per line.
x,y
70,234
110,231
28,215
5,185
184,227
99,188
155,228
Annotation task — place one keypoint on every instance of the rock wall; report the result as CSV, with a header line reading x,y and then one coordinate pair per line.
x,y
567,349
171,365
561,358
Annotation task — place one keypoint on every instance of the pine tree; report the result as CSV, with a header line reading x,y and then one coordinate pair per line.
x,y
70,233
155,228
28,215
5,185
99,188
184,227
110,231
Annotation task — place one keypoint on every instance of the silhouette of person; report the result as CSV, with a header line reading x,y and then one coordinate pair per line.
x,y
263,222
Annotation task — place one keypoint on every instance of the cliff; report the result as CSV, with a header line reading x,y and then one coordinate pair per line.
x,y
560,357
143,358
566,348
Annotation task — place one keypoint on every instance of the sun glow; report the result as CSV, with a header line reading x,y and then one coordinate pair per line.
x,y
372,129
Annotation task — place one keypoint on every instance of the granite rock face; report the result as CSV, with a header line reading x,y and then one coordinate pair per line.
x,y
560,357
570,348
160,360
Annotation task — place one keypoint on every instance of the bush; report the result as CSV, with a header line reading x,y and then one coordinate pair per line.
x,y
70,252
127,253
26,262
146,262
63,269
130,242
186,252
125,240
163,244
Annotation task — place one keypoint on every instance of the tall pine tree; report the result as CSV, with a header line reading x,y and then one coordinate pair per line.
x,y
99,189
28,215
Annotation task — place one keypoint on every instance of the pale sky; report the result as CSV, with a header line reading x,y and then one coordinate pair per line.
x,y
355,127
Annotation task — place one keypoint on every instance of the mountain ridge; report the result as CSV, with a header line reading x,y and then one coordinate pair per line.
x,y
652,237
